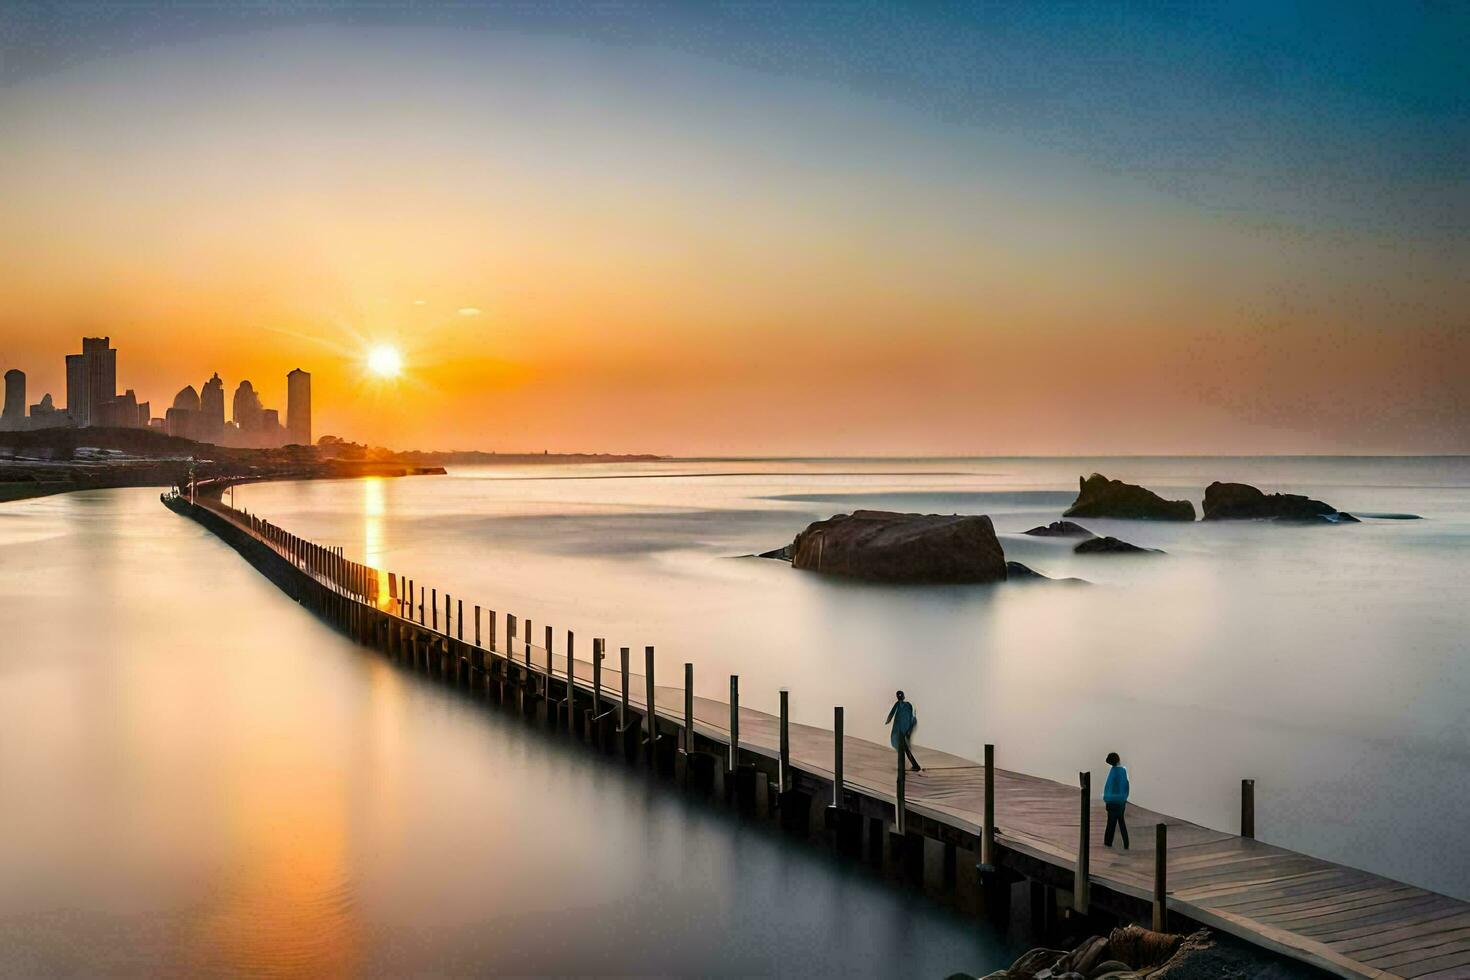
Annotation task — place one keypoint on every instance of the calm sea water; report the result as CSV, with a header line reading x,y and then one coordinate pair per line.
x,y
1330,664
198,774
199,778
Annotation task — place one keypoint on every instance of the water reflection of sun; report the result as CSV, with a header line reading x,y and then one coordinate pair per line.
x,y
374,518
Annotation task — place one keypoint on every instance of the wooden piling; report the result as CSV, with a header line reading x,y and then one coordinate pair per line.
x,y
650,715
1081,886
623,704
688,708
899,804
837,787
987,838
459,620
1161,877
434,607
571,682
546,682
477,626
597,646
783,759
1248,809
733,762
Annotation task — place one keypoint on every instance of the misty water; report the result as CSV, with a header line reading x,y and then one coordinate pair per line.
x,y
201,777
1328,663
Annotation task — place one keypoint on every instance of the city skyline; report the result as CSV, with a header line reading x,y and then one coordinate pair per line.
x,y
93,401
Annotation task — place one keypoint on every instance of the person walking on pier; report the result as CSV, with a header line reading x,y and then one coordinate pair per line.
x,y
1115,798
901,715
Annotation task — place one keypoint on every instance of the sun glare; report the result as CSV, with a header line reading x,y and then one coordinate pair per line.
x,y
385,361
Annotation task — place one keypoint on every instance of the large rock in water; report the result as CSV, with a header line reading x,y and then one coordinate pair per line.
x,y
1097,496
882,546
1241,501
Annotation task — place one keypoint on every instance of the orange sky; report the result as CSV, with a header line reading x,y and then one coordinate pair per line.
x,y
679,256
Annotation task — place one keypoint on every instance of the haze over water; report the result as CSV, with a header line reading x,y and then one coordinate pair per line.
x,y
1327,663
201,778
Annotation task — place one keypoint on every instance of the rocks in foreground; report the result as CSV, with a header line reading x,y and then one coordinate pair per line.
x,y
1098,496
1243,502
1059,529
882,546
1134,953
1112,546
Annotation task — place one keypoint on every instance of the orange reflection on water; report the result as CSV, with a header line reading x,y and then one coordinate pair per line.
x,y
374,508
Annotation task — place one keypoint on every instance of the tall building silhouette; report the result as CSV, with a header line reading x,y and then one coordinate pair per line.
x,y
246,411
183,418
14,416
212,409
298,407
91,379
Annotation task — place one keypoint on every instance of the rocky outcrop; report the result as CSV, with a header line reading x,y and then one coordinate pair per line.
x,y
1243,502
1059,529
1112,546
882,546
1097,496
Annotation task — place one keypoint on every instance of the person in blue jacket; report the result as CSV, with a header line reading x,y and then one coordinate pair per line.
x,y
903,719
1115,798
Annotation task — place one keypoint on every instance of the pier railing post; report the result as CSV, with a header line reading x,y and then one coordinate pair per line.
x,y
477,626
688,709
783,760
837,787
510,643
526,651
987,839
650,714
459,620
434,605
623,703
494,622
733,762
1248,809
546,688
899,803
597,645
571,681
1081,886
1161,877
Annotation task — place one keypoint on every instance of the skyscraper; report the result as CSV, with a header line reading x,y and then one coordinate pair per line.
x,y
298,407
183,417
212,410
247,410
14,416
91,379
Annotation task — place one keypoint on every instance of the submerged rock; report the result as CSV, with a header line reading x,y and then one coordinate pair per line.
x,y
1097,496
1112,546
1241,501
782,553
1336,517
1060,529
882,546
1017,572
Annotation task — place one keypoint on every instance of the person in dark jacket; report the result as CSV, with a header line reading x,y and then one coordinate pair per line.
x,y
903,719
1115,798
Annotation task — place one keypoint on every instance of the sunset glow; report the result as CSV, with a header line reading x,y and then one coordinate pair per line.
x,y
385,361
655,244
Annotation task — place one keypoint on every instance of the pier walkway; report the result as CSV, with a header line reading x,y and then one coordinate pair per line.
x,y
1340,919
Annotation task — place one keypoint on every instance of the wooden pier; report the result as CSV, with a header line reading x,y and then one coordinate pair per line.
x,y
1011,826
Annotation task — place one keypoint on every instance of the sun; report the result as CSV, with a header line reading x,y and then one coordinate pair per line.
x,y
385,361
